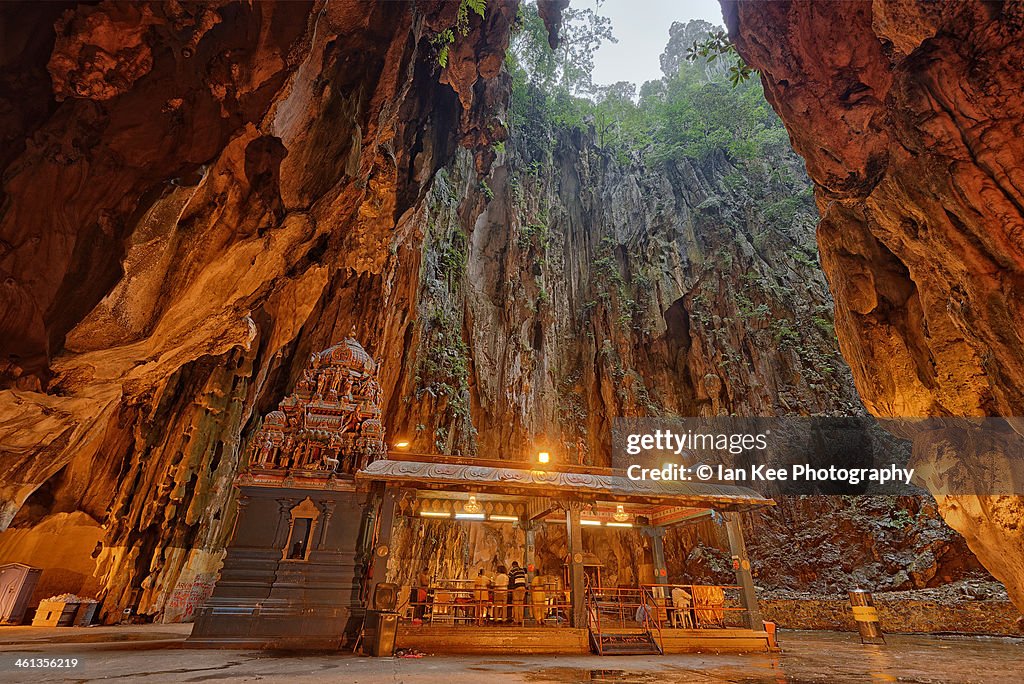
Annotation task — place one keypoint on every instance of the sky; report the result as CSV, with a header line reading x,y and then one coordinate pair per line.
x,y
642,29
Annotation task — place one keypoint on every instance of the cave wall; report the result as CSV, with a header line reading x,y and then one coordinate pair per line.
x,y
908,115
204,194
569,287
195,195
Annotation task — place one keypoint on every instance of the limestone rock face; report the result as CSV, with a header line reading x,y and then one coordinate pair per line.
x,y
569,288
572,286
195,197
909,117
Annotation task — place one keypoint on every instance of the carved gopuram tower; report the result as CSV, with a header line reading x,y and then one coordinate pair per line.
x,y
292,576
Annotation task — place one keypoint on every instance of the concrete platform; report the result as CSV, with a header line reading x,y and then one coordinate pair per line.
x,y
728,640
493,640
434,638
156,653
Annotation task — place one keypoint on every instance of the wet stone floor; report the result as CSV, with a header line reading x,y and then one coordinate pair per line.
x,y
156,653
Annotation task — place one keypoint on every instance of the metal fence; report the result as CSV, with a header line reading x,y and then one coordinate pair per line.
x,y
458,602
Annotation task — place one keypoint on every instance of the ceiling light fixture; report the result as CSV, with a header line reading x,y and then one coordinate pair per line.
x,y
504,518
469,516
590,522
435,514
620,514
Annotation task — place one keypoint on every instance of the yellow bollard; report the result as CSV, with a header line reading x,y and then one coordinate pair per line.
x,y
866,616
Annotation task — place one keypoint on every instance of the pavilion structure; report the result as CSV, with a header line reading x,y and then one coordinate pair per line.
x,y
320,496
530,495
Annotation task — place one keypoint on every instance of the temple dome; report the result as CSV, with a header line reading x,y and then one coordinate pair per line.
x,y
275,419
347,354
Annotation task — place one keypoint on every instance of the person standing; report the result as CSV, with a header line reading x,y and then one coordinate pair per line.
x,y
517,584
419,594
481,590
539,597
500,612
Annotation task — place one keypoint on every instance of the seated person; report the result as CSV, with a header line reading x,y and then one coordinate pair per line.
x,y
681,602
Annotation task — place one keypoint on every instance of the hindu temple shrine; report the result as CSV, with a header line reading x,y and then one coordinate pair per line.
x,y
315,561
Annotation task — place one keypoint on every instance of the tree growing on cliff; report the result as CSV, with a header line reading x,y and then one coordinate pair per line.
x,y
553,85
691,112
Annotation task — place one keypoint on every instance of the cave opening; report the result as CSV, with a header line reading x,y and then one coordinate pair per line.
x,y
677,333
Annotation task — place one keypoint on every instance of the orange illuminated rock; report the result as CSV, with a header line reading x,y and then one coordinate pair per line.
x,y
909,118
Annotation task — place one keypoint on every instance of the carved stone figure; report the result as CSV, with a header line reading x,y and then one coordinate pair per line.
x,y
336,382
307,382
316,435
321,384
266,450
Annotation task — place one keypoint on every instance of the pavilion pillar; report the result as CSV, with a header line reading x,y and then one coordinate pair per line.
x,y
574,534
657,535
748,597
382,545
529,553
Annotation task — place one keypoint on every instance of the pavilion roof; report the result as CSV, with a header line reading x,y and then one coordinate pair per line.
x,y
555,482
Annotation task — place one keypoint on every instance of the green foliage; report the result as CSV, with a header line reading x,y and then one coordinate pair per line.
x,y
486,189
825,325
452,256
784,210
698,118
570,66
478,6
550,87
899,519
443,373
802,257
750,311
716,45
784,333
694,111
538,231
445,38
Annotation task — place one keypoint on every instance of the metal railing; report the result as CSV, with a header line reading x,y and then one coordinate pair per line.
x,y
457,602
620,610
699,606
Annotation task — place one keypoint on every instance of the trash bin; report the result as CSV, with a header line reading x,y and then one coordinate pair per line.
x,y
380,627
380,632
55,612
770,629
866,616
